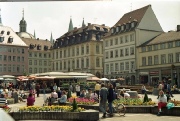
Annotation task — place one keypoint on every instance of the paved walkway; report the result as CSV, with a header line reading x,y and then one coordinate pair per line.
x,y
128,117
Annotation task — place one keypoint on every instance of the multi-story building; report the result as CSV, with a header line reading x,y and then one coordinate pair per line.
x,y
39,55
80,49
159,58
133,29
13,52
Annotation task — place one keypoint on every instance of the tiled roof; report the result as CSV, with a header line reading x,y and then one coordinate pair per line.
x,y
86,28
164,37
135,15
7,33
37,42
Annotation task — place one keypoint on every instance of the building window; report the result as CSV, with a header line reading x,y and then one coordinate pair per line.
x,y
4,68
97,62
116,67
177,57
126,51
111,54
106,43
60,54
35,54
22,50
69,51
121,52
87,62
126,38
64,53
18,59
64,65
82,63
163,46
22,59
107,54
45,56
30,62
14,68
87,49
149,60
170,58
177,43
121,40
40,70
163,59
116,53
143,61
77,63
9,49
170,44
111,42
1,58
30,70
132,50
9,68
127,65
97,49
40,55
131,37
60,65
107,68
35,62
5,58
45,63
35,70
18,68
9,58
155,47
132,65
122,66
150,48
116,41
30,54
1,68
156,60
143,49
111,67
77,51
40,62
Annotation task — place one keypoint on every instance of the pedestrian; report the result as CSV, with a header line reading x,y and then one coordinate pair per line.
x,y
162,101
37,89
103,99
44,86
169,90
143,89
110,98
77,90
30,100
97,88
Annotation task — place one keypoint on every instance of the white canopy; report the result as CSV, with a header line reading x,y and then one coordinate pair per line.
x,y
5,116
104,79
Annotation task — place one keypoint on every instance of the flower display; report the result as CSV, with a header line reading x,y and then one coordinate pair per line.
x,y
83,101
6,108
133,101
48,108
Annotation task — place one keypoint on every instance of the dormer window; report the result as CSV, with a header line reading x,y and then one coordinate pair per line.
x,y
97,28
117,29
45,47
122,28
2,32
127,26
39,47
112,30
98,37
8,32
1,39
105,29
10,39
132,24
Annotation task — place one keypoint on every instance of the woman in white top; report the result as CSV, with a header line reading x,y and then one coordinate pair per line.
x,y
162,101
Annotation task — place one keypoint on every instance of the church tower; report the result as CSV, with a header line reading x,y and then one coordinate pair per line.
x,y
22,24
70,25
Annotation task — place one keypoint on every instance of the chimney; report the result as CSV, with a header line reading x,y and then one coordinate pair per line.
x,y
89,24
75,28
103,24
178,28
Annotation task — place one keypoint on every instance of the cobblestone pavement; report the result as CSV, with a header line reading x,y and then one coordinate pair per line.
x,y
128,117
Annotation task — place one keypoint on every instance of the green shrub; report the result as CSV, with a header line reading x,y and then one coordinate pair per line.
x,y
74,105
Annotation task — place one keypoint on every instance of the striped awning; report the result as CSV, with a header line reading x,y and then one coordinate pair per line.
x,y
80,77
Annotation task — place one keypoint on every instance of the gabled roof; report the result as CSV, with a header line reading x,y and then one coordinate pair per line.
x,y
135,15
164,37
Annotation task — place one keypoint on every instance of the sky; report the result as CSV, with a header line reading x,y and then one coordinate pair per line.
x,y
54,16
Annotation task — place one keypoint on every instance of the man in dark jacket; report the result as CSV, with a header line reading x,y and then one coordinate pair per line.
x,y
103,99
110,99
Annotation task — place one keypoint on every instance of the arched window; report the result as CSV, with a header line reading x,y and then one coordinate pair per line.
x,y
97,49
97,62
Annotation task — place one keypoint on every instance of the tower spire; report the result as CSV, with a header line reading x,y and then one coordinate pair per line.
x,y
51,39
0,18
70,25
83,25
23,14
34,34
